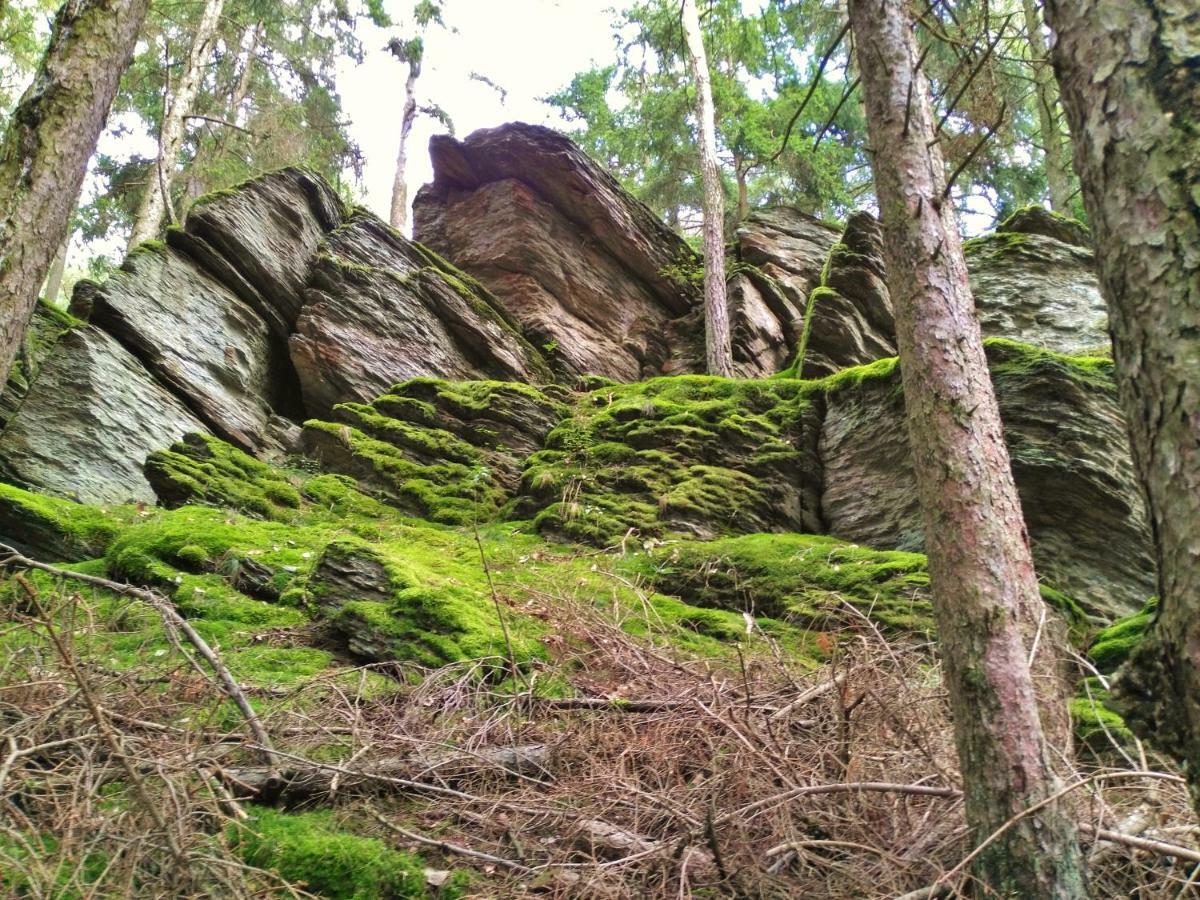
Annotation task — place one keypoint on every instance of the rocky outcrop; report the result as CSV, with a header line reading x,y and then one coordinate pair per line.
x,y
589,273
380,309
780,254
88,422
1034,280
1070,461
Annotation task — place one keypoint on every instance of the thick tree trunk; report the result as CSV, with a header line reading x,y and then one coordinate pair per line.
x,y
155,201
46,146
1046,98
399,212
981,572
1130,77
718,349
55,278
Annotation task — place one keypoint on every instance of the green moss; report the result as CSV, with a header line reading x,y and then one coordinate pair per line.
x,y
312,849
58,528
815,296
1112,646
685,454
203,469
1095,724
150,246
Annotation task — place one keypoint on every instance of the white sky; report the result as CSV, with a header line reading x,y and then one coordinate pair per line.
x,y
531,48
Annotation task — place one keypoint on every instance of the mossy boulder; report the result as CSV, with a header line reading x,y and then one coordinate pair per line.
x,y
202,469
51,529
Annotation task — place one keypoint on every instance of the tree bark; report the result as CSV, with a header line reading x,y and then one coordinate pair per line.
x,y
46,146
155,201
1046,97
399,212
985,591
718,349
1130,77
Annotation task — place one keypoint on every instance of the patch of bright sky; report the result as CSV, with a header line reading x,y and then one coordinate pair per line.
x,y
530,48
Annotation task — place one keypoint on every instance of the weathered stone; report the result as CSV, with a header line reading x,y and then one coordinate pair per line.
x,y
1039,220
88,423
849,318
195,336
266,232
380,309
783,251
1037,289
1070,459
50,529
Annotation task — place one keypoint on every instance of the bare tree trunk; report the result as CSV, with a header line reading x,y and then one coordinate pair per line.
x,y
981,571
1046,98
399,213
57,268
717,344
155,201
1130,77
743,192
46,146
242,90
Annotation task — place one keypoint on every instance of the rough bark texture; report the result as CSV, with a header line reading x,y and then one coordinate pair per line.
x,y
716,312
1046,99
1130,76
981,570
46,146
152,208
399,212
55,278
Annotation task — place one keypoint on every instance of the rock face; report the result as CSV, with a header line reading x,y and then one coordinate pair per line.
x,y
88,422
1070,462
1034,280
379,310
591,275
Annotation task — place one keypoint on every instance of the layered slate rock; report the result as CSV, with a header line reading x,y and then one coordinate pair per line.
x,y
693,456
380,309
1070,460
199,339
449,452
45,328
848,320
89,421
260,238
591,275
780,254
1034,281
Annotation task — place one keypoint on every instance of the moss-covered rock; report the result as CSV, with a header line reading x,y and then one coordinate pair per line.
x,y
693,455
449,452
52,529
203,469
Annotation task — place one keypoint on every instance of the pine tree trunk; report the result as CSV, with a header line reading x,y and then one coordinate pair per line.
x,y
55,277
716,310
1046,98
155,201
981,571
399,212
46,146
1130,77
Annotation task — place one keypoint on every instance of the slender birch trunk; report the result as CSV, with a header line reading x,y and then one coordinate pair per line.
x,y
981,571
46,146
1046,97
55,277
1130,77
154,206
399,212
718,350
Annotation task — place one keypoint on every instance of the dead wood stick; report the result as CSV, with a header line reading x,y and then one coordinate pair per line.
x,y
852,787
175,622
448,847
1160,848
810,695
614,704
